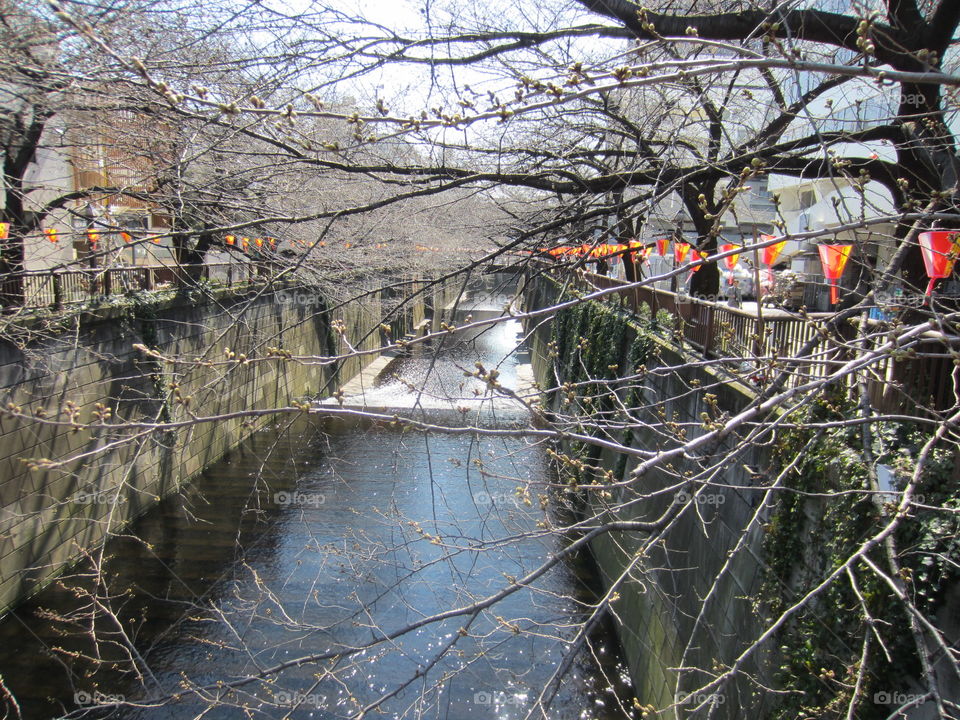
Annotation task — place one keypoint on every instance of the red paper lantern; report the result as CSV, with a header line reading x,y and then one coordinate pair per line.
x,y
697,264
680,251
772,252
939,249
730,261
834,260
662,245
598,251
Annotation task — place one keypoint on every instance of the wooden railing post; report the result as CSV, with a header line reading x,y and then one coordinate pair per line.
x,y
708,329
57,288
57,292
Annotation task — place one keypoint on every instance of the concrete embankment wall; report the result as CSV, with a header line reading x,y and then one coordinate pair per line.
x,y
64,487
690,601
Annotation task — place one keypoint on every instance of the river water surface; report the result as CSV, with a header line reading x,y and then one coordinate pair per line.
x,y
267,589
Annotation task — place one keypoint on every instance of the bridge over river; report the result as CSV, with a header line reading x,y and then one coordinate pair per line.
x,y
307,545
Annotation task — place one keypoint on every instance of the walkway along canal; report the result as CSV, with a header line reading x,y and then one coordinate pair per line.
x,y
306,546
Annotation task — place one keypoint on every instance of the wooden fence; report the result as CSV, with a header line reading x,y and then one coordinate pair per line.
x,y
56,288
750,340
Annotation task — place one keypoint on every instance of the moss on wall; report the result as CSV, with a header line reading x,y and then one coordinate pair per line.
x,y
831,509
65,481
826,510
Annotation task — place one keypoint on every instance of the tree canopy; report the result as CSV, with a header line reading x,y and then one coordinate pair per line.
x,y
451,135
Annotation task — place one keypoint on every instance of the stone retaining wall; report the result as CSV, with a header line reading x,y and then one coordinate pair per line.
x,y
64,488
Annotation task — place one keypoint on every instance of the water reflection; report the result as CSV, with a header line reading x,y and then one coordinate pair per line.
x,y
281,583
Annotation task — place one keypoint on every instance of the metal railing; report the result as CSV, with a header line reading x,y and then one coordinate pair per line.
x,y
34,289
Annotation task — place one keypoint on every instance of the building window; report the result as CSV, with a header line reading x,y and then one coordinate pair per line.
x,y
760,198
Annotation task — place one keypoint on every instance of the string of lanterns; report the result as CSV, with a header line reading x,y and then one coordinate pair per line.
x,y
634,249
244,243
940,251
939,248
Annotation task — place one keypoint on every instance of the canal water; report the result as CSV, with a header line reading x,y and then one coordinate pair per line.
x,y
302,576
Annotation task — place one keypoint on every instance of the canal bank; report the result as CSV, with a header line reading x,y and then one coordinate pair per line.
x,y
687,604
310,544
71,474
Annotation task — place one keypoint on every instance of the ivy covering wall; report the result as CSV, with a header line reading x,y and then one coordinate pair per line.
x,y
826,509
829,509
597,347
